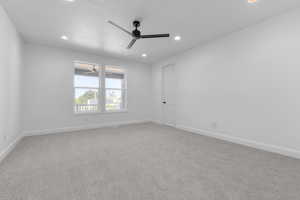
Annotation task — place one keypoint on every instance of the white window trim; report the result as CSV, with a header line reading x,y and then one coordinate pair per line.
x,y
102,89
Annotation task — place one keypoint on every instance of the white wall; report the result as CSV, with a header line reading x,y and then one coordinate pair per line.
x,y
247,82
48,91
10,81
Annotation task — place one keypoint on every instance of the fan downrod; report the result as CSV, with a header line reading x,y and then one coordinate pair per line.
x,y
136,24
136,33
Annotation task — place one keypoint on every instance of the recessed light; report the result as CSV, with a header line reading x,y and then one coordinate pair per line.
x,y
144,55
177,38
70,0
252,1
64,37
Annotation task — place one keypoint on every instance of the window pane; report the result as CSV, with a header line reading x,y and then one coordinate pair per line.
x,y
86,100
86,81
113,100
113,83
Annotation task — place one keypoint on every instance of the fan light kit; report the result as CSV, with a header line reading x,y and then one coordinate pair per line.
x,y
136,34
177,38
64,37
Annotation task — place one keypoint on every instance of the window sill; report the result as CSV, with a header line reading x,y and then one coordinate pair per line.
x,y
100,113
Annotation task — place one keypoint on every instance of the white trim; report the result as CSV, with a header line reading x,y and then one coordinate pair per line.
x,y
101,94
93,88
81,128
101,113
262,146
115,111
250,143
158,122
9,148
169,124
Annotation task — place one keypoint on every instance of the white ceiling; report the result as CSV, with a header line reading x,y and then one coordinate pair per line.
x,y
85,22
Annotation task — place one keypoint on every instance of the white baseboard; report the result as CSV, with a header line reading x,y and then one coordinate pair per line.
x,y
9,148
222,136
12,145
81,128
262,146
157,122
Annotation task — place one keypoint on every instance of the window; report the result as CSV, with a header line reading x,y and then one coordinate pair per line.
x,y
87,88
99,88
115,89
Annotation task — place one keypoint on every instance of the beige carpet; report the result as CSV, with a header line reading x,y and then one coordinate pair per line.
x,y
144,162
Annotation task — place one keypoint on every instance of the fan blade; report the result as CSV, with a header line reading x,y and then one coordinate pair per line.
x,y
155,36
119,27
131,43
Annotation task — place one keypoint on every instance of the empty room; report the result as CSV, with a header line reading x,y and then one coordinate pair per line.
x,y
149,100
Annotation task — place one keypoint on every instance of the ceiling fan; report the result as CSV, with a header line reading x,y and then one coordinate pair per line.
x,y
136,34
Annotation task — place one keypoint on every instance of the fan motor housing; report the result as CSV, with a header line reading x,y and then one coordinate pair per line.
x,y
136,33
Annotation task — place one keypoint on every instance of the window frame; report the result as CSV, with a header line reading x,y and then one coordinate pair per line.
x,y
123,90
102,90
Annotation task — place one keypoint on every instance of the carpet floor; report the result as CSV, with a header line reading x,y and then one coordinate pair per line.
x,y
144,162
